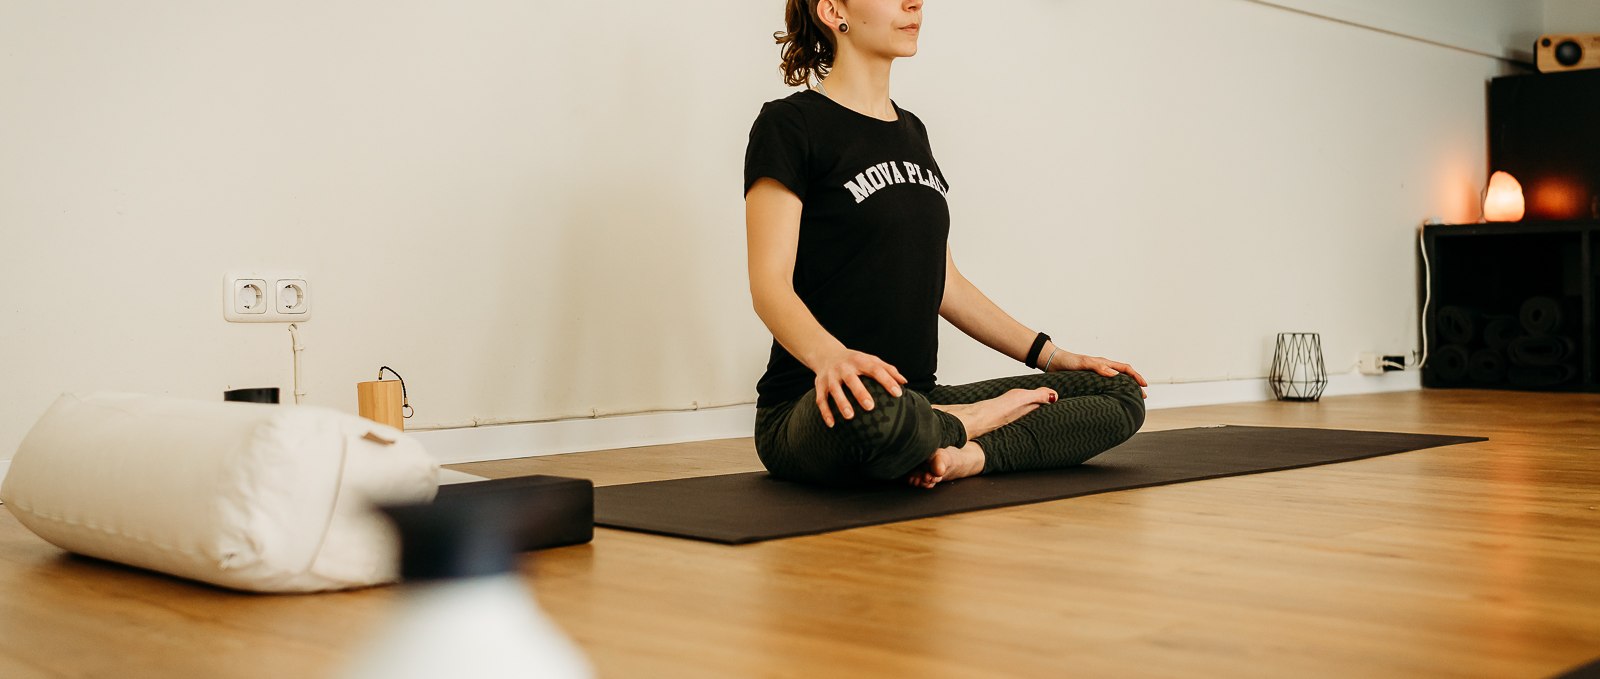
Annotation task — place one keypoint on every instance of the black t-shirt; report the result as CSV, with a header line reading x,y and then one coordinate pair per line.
x,y
870,262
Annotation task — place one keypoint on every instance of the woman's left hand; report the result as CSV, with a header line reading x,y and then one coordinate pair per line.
x,y
1104,366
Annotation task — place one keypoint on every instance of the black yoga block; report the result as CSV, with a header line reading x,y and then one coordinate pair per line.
x,y
550,511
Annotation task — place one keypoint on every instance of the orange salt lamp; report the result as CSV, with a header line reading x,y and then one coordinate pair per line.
x,y
1502,202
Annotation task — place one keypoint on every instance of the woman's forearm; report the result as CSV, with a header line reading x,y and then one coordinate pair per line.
x,y
972,312
975,314
794,326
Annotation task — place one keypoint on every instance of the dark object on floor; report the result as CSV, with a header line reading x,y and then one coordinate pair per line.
x,y
1298,373
742,508
1487,366
1589,671
1452,362
551,511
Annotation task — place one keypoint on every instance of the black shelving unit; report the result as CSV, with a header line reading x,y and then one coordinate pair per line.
x,y
1542,130
1482,275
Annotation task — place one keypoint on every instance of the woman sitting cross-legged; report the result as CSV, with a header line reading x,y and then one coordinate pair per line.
x,y
851,270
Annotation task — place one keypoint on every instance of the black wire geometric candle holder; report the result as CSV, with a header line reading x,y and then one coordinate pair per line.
x,y
1297,370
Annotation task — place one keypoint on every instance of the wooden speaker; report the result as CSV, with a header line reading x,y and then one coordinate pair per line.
x,y
1567,52
382,402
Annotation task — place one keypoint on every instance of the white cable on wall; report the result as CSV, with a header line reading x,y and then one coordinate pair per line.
x,y
1427,296
294,343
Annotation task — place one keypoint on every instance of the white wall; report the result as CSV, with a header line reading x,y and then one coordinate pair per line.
x,y
531,209
1496,28
1571,16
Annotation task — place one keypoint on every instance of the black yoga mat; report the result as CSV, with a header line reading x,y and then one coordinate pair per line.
x,y
1500,330
1452,362
1548,315
1589,671
1458,324
1542,350
1487,366
751,507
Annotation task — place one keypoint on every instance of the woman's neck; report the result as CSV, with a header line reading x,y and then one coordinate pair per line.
x,y
861,84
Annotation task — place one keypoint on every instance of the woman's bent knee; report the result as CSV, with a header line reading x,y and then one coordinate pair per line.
x,y
899,432
1130,396
886,422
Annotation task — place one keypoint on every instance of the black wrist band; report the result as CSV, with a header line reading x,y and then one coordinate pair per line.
x,y
1033,352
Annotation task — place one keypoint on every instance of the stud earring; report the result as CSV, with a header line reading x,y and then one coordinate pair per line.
x,y
844,27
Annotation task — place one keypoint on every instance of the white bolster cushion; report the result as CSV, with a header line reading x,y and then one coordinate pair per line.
x,y
257,497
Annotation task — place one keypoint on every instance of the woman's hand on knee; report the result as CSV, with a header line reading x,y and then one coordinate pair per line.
x,y
1104,367
844,371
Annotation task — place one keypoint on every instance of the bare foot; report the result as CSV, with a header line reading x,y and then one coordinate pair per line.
x,y
948,464
985,416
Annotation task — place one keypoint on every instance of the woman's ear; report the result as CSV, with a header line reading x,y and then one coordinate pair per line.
x,y
829,12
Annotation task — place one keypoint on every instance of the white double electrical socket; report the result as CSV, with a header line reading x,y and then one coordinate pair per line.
x,y
1370,364
281,296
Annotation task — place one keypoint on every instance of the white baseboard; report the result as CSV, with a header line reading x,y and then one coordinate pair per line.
x,y
503,442
506,441
1244,391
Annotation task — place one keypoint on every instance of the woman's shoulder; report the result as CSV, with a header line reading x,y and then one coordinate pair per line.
x,y
793,113
796,105
908,115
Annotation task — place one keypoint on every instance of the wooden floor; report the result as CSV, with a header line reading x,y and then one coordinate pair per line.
x,y
1477,560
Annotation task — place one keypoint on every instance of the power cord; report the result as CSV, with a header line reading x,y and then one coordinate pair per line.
x,y
406,411
294,343
1427,297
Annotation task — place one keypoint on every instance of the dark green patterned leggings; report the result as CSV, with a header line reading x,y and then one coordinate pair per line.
x,y
1093,414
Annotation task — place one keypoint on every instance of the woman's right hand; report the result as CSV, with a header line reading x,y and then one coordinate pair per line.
x,y
843,370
